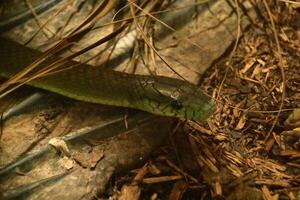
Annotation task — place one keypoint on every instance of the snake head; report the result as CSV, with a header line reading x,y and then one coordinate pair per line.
x,y
176,98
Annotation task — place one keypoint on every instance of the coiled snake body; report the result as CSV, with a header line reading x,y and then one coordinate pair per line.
x,y
155,94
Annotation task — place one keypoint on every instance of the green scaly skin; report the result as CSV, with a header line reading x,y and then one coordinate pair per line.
x,y
155,94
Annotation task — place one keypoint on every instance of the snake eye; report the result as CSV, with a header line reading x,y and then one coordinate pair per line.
x,y
176,105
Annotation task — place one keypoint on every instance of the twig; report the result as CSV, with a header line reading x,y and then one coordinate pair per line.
x,y
59,62
37,19
281,65
78,33
292,2
234,48
164,24
148,42
45,24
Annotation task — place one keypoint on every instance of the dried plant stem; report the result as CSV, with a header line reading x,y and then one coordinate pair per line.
x,y
234,48
281,66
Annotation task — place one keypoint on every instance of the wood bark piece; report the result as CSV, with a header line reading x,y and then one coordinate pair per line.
x,y
40,174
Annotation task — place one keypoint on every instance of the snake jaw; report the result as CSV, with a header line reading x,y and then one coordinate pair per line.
x,y
176,98
195,107
196,111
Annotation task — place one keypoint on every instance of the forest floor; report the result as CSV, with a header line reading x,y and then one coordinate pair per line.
x,y
250,148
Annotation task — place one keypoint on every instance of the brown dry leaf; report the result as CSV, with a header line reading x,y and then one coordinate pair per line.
x,y
133,191
241,122
235,170
291,196
235,158
237,109
256,72
267,195
290,139
209,164
20,172
260,61
207,159
178,190
290,153
294,119
161,179
269,144
66,162
271,166
130,192
153,169
218,188
60,145
247,66
230,91
81,159
96,156
283,36
271,182
221,137
199,128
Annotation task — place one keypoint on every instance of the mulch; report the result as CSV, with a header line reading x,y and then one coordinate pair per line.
x,y
250,148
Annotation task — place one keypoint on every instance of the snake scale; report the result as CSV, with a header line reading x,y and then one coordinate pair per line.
x,y
155,94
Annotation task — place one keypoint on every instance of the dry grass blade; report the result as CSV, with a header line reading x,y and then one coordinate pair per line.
x,y
166,25
60,46
292,2
101,10
281,66
39,22
46,23
234,48
61,62
148,42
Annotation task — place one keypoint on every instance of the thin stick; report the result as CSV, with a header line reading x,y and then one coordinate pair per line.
x,y
234,48
292,2
37,19
281,65
149,44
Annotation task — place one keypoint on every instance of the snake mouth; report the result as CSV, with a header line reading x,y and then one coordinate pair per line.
x,y
198,113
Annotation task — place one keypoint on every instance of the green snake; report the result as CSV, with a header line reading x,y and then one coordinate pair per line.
x,y
155,94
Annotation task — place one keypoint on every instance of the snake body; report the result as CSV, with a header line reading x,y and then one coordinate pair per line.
x,y
155,94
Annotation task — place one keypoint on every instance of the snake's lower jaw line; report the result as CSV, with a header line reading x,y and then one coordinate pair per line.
x,y
196,115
